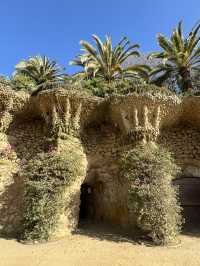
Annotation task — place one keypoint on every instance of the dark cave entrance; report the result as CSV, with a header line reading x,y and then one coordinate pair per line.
x,y
86,212
189,191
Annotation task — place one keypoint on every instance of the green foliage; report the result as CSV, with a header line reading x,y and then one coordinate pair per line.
x,y
101,88
21,82
97,87
152,199
180,56
44,73
4,81
105,61
46,178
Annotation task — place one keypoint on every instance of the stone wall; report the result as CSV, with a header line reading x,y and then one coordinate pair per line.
x,y
103,129
102,147
183,142
22,142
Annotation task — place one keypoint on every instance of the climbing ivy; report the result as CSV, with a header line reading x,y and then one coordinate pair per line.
x,y
46,178
152,199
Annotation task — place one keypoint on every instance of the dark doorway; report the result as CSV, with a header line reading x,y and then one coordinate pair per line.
x,y
87,203
189,188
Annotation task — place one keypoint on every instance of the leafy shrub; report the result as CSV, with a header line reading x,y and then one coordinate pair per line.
x,y
101,88
22,82
46,178
152,198
4,81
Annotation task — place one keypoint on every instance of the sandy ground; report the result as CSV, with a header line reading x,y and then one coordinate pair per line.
x,y
99,248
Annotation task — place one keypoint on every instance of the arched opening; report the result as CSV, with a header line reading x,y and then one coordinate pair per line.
x,y
92,201
97,215
86,212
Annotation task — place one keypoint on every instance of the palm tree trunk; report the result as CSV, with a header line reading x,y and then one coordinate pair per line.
x,y
187,81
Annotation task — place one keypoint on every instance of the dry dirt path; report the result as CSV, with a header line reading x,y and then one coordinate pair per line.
x,y
99,249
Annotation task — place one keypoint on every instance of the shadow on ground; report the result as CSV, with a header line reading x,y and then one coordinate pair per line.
x,y
193,231
104,232
191,226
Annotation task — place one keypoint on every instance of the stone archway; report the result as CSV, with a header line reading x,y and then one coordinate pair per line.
x,y
91,197
86,203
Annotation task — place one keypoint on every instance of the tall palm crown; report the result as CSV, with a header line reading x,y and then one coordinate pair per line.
x,y
106,61
180,57
45,74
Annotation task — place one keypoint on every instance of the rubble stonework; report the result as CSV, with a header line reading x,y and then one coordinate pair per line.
x,y
102,129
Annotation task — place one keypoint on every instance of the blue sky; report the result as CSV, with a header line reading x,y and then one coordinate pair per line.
x,y
55,27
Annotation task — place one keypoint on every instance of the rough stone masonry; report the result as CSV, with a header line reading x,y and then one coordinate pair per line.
x,y
101,129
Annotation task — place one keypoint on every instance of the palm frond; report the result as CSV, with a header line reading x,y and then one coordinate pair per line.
x,y
44,73
165,44
104,60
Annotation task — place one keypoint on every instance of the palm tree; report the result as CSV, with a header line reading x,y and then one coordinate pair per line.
x,y
180,58
44,73
105,61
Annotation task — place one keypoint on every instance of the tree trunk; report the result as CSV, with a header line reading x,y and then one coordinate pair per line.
x,y
187,81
